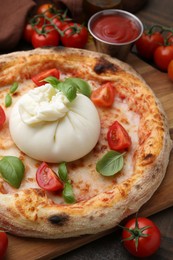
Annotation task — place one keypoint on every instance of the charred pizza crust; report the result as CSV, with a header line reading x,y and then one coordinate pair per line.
x,y
30,212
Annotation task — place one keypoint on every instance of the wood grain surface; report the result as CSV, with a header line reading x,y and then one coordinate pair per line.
x,y
24,248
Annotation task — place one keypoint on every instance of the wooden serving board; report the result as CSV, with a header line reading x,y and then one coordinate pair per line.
x,y
25,248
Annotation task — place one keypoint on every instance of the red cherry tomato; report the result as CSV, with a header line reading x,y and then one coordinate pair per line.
x,y
28,32
2,117
46,9
38,78
29,28
118,138
58,22
147,44
170,70
50,37
162,57
75,35
3,243
145,237
104,95
47,179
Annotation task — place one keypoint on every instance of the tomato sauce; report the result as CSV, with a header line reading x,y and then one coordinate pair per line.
x,y
115,29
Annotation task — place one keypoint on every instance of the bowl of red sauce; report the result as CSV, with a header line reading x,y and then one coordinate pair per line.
x,y
115,31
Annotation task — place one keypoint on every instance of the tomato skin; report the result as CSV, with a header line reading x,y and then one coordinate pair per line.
x,y
170,70
147,44
162,57
3,243
118,138
37,79
75,35
104,95
146,245
49,38
2,117
47,179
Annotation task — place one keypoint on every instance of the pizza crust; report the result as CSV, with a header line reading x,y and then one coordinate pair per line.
x,y
30,212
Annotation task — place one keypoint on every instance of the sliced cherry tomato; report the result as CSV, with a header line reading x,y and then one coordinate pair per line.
x,y
162,56
2,117
75,35
147,44
47,178
104,95
38,78
49,37
141,237
118,138
170,70
46,9
3,243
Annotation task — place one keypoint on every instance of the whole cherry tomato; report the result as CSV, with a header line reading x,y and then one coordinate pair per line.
x,y
38,78
169,38
31,26
141,237
47,178
162,56
47,9
48,37
170,70
118,138
75,35
147,44
104,95
2,117
3,243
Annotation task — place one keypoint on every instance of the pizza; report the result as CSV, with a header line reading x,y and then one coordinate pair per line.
x,y
84,142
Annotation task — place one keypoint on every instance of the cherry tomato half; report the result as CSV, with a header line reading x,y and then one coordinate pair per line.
x,y
38,78
170,70
147,44
104,95
3,243
47,179
50,37
118,138
2,117
162,56
145,232
75,35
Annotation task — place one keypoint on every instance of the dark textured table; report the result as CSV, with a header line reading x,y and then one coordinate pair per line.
x,y
110,246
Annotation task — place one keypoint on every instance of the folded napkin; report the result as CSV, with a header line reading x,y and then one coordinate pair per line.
x,y
13,15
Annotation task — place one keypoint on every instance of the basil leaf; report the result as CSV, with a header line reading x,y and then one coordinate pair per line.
x,y
8,100
12,170
68,193
111,163
53,81
82,86
14,87
62,171
68,90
